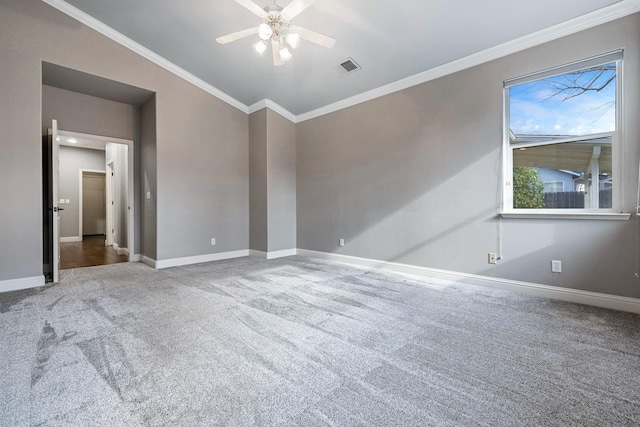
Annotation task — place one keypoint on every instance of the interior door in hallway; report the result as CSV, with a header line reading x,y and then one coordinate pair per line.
x,y
93,204
54,210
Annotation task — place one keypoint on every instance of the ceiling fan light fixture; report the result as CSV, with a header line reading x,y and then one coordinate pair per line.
x,y
260,47
275,28
264,31
293,40
285,54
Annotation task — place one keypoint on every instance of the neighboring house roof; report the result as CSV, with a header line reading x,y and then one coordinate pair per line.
x,y
570,156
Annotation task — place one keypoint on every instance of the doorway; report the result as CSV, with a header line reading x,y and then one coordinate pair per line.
x,y
92,249
93,212
90,252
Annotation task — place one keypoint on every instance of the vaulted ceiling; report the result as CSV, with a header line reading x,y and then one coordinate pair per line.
x,y
391,41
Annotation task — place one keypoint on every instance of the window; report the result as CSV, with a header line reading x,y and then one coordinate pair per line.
x,y
561,139
554,187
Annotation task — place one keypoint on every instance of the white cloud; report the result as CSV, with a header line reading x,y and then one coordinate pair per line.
x,y
584,114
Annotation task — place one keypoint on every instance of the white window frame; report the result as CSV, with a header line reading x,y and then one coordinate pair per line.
x,y
616,211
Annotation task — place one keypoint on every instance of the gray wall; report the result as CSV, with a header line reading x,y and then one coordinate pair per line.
x,y
272,182
71,161
258,194
413,177
81,113
203,174
281,170
147,165
202,142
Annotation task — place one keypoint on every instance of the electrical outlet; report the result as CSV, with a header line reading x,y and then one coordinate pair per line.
x,y
213,241
493,258
341,242
556,266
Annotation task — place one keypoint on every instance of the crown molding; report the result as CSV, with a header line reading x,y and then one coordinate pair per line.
x,y
267,103
598,17
257,106
595,18
125,41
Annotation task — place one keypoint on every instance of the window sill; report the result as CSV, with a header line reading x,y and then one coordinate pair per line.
x,y
609,216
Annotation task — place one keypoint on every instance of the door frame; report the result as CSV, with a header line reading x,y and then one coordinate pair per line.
x,y
109,204
54,147
81,201
130,178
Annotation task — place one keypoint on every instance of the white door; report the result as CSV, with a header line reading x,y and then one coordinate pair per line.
x,y
55,182
110,206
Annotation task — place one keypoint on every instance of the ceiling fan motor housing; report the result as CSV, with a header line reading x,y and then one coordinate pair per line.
x,y
275,27
279,25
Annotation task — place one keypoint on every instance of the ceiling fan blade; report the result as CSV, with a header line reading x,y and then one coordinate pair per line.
x,y
312,36
253,8
275,47
237,35
295,8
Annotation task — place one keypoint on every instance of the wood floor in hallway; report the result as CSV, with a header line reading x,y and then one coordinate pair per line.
x,y
90,252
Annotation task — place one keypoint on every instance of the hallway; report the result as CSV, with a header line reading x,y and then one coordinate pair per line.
x,y
90,252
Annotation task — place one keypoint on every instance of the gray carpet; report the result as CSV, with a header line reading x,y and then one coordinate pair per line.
x,y
306,342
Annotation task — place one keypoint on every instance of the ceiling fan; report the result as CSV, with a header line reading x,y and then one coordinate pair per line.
x,y
276,26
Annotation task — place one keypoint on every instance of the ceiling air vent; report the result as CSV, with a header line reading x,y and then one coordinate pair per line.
x,y
347,66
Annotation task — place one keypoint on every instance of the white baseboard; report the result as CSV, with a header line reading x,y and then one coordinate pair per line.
x,y
22,283
258,254
71,239
148,261
136,258
274,254
614,302
176,262
282,254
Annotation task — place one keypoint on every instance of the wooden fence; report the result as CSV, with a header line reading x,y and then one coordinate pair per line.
x,y
574,199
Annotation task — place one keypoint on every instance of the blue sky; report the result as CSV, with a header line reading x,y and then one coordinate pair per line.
x,y
538,108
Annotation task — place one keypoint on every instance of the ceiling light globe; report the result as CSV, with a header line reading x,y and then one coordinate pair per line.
x,y
293,39
285,55
264,31
260,47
